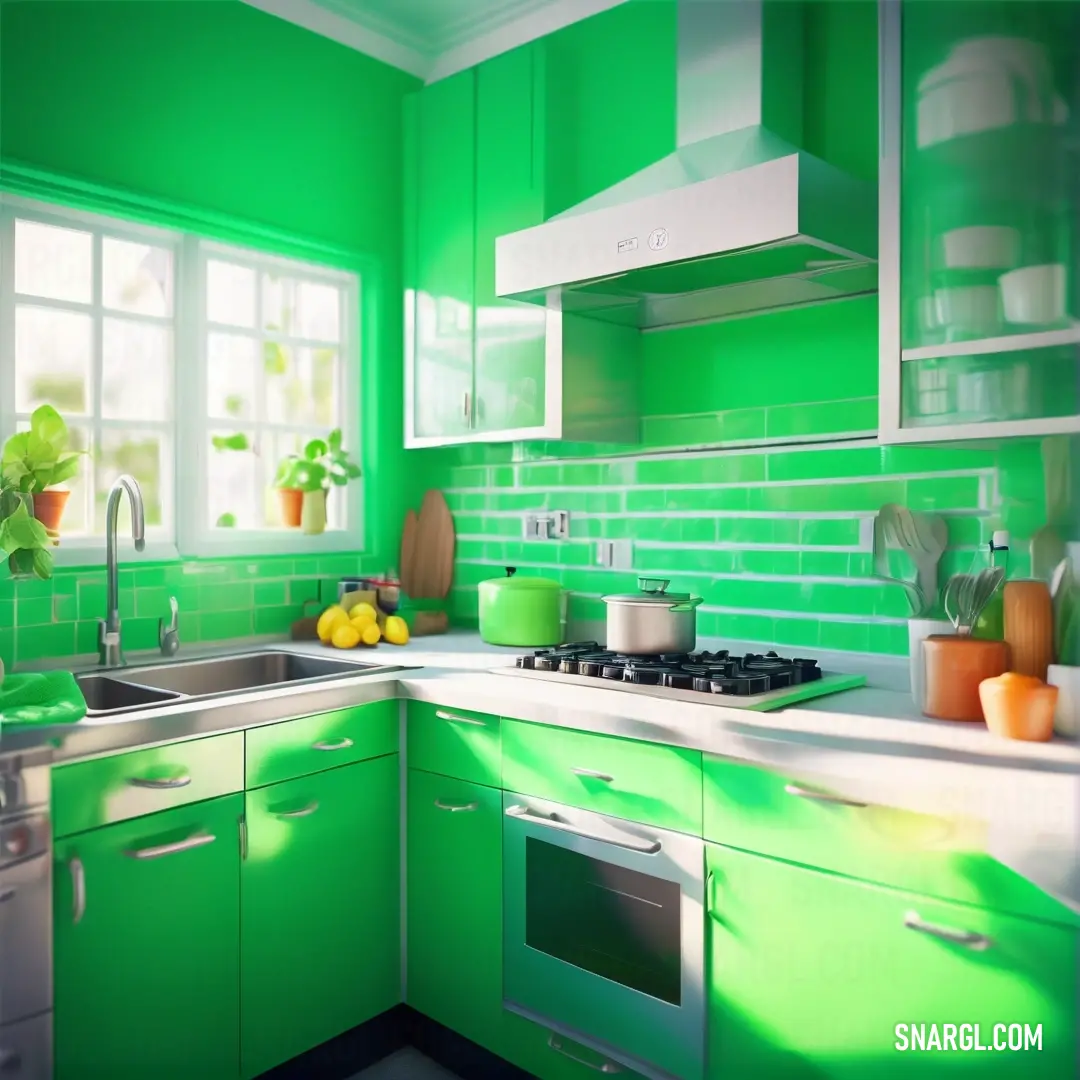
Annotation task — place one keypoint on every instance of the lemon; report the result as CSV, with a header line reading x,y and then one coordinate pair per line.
x,y
346,636
397,630
370,634
360,621
363,608
329,620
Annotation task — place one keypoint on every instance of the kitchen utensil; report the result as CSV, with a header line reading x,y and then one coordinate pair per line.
x,y
916,600
967,594
520,610
923,538
433,557
304,629
1067,711
652,621
1034,295
918,631
408,553
955,666
1029,627
1019,707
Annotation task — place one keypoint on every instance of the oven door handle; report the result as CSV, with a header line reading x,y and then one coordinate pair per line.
x,y
643,847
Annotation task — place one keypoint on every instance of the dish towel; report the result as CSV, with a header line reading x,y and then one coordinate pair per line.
x,y
48,697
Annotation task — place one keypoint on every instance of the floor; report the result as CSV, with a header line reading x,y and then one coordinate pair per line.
x,y
407,1064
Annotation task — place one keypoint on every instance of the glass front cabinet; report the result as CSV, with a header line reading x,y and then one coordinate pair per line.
x,y
979,218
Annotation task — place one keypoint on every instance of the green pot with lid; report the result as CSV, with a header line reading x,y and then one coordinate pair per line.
x,y
521,611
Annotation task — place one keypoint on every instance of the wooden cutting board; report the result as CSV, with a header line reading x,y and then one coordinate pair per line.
x,y
407,572
433,557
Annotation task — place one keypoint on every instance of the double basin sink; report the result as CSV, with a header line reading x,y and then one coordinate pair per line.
x,y
126,689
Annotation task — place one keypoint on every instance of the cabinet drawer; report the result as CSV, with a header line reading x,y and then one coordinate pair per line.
x,y
454,742
762,811
92,793
310,744
646,782
550,1056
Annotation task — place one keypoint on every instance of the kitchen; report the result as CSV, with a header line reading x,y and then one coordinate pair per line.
x,y
803,878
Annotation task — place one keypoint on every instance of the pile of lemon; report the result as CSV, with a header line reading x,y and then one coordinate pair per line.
x,y
359,626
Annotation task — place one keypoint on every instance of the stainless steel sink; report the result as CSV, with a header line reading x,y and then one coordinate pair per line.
x,y
245,671
106,695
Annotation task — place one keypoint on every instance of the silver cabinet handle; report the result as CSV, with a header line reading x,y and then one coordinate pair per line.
x,y
645,847
304,811
455,807
161,785
968,938
333,744
242,827
609,1067
7,894
821,796
443,715
710,901
592,774
78,888
199,839
465,406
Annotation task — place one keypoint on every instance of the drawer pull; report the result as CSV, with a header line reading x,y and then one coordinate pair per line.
x,y
304,811
644,847
592,774
242,828
821,796
200,839
334,744
161,785
78,888
7,894
968,938
443,715
455,807
607,1067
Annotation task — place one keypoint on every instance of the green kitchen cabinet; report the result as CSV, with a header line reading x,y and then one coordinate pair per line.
x,y
454,920
319,909
810,974
147,945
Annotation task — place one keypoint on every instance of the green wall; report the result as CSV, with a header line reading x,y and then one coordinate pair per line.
x,y
223,108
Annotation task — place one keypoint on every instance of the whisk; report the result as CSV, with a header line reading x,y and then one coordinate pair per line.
x,y
967,594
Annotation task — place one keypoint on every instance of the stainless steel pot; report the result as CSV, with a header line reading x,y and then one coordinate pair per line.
x,y
652,621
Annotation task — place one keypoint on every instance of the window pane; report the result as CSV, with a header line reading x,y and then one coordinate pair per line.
x,y
301,385
320,311
230,294
235,484
53,262
52,359
137,453
76,521
136,277
231,378
279,305
136,371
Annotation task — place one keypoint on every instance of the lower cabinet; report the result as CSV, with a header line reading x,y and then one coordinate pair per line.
x,y
320,909
147,944
454,948
810,975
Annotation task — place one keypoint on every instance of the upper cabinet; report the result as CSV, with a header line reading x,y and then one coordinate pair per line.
x,y
979,219
478,368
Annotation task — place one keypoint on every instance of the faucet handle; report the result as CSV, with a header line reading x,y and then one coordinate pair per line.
x,y
169,636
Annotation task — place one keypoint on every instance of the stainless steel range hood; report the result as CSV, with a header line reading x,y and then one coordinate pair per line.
x,y
737,219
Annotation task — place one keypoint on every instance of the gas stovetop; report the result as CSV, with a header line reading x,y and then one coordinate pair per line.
x,y
753,681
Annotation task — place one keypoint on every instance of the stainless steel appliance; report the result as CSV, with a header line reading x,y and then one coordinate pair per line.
x,y
603,929
26,996
652,620
752,681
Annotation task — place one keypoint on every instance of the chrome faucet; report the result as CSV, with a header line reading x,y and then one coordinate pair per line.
x,y
109,652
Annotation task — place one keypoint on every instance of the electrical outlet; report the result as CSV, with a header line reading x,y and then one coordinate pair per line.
x,y
552,525
614,554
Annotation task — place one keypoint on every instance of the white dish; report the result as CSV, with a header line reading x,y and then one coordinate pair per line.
x,y
969,309
1067,714
981,247
1034,295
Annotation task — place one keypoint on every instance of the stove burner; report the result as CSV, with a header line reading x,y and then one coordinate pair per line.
x,y
704,672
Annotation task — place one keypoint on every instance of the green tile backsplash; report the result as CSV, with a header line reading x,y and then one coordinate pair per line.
x,y
219,600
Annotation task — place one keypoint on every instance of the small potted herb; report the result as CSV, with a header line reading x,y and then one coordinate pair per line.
x,y
304,480
23,539
37,462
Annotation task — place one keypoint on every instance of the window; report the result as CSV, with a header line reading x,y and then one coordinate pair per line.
x,y
193,366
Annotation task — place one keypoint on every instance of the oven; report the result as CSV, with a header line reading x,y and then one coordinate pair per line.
x,y
603,928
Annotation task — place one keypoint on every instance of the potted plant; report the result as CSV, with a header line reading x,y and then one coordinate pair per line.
x,y
23,539
37,462
304,480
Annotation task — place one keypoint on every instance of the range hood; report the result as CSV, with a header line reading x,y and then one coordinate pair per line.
x,y
737,219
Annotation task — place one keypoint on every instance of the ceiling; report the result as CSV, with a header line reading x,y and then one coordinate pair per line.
x,y
433,38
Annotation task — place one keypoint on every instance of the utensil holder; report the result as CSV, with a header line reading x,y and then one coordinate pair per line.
x,y
955,665
918,631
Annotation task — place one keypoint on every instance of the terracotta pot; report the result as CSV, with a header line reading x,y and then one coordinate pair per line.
x,y
49,509
292,501
954,668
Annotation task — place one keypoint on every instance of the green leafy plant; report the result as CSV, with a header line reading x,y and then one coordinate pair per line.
x,y
320,466
23,538
39,458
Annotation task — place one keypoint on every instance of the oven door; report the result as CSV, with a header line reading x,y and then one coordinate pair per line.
x,y
603,932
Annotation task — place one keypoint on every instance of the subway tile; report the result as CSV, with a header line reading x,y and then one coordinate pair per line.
x,y
274,619
844,636
830,532
270,593
65,608
141,634
889,638
7,646
92,599
229,597
860,461
821,418
7,614
150,577
32,588
799,632
221,625
43,642
33,611
65,584
86,636
823,563
152,602
302,590
339,565
942,493
854,496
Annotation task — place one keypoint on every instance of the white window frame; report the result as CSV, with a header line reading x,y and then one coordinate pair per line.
x,y
185,533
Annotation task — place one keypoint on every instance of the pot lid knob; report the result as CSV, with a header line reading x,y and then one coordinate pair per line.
x,y
511,571
653,586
